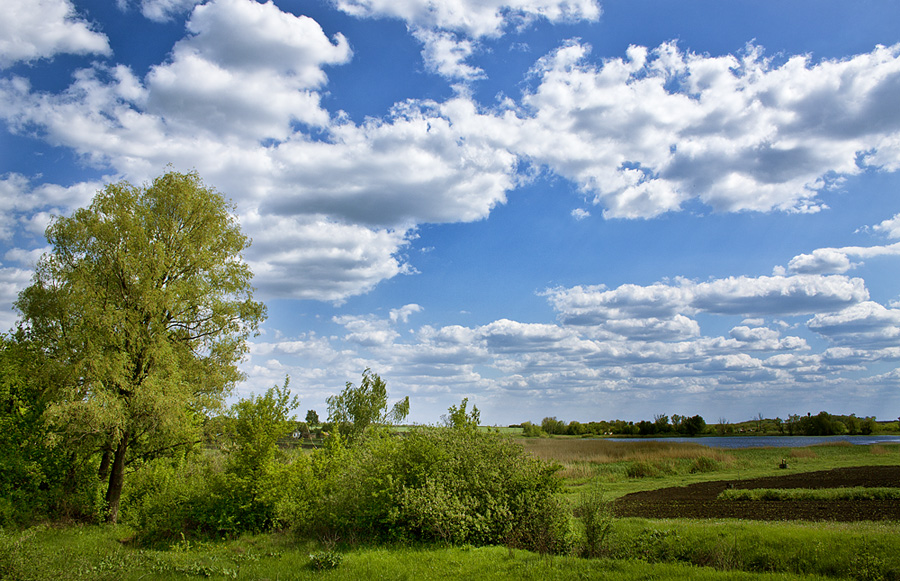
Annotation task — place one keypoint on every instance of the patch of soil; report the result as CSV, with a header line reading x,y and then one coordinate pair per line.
x,y
699,500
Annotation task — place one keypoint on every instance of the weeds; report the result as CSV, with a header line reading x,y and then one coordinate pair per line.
x,y
826,494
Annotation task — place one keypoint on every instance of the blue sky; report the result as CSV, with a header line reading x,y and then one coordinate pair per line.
x,y
572,208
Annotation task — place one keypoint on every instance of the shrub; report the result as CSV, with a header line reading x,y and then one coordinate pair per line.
x,y
455,485
596,518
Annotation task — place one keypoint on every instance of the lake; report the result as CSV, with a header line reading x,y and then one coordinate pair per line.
x,y
772,441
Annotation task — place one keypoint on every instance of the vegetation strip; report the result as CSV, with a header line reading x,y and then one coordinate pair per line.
x,y
782,494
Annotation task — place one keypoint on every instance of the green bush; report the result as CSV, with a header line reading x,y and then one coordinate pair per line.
x,y
443,484
597,519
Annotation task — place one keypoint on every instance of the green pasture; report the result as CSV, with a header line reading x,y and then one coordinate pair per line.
x,y
628,549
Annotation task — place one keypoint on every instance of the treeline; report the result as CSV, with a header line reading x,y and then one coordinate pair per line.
x,y
681,425
822,424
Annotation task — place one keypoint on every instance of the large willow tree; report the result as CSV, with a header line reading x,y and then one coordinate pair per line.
x,y
146,301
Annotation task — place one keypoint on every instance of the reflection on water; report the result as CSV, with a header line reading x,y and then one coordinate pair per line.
x,y
772,441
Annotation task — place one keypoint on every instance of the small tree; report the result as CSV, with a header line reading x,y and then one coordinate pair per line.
x,y
458,417
312,418
358,407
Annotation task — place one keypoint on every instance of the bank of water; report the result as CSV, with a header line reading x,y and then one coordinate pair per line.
x,y
733,442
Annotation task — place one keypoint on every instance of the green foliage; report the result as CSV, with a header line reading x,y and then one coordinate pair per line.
x,y
312,418
852,494
443,484
259,422
37,479
596,517
357,408
530,430
324,560
553,426
458,417
250,485
146,304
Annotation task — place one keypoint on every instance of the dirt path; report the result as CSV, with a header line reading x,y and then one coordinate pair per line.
x,y
699,500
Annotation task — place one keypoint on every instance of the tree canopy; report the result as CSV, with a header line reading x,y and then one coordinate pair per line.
x,y
146,301
358,407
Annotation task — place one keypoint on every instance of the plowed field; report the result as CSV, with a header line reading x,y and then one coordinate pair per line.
x,y
699,500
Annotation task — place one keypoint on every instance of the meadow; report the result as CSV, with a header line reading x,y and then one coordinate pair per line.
x,y
595,471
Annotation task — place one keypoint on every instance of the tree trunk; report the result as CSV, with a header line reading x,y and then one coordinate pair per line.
x,y
116,480
104,465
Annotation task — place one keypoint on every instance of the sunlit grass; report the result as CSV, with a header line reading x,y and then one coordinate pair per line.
x,y
623,467
98,553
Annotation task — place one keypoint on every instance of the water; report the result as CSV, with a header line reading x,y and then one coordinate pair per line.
x,y
771,441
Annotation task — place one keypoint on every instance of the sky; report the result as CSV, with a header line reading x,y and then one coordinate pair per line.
x,y
582,209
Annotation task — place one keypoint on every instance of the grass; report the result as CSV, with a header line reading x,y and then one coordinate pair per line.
x,y
824,494
633,549
625,467
99,553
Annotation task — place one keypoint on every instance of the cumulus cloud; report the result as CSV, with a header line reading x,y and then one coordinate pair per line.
x,y
35,29
164,10
316,258
838,260
866,324
474,18
403,313
889,227
748,296
12,281
238,51
641,135
29,208
348,197
450,31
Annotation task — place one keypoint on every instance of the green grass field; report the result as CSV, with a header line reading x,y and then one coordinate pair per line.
x,y
633,549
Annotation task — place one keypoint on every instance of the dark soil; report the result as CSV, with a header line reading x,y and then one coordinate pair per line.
x,y
699,500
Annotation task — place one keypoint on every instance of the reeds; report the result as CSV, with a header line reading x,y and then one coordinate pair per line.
x,y
568,451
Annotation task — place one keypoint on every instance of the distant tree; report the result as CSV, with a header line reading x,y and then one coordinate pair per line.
x,y
145,299
358,407
458,417
868,426
646,428
694,425
551,425
661,423
530,430
779,425
312,418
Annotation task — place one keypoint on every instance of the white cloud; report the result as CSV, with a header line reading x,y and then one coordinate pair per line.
x,y
837,260
580,214
445,54
748,296
867,324
641,135
35,29
889,227
403,313
237,53
316,258
27,208
12,281
164,10
474,18
450,30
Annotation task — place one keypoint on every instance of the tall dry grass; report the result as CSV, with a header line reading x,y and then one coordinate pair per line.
x,y
568,451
